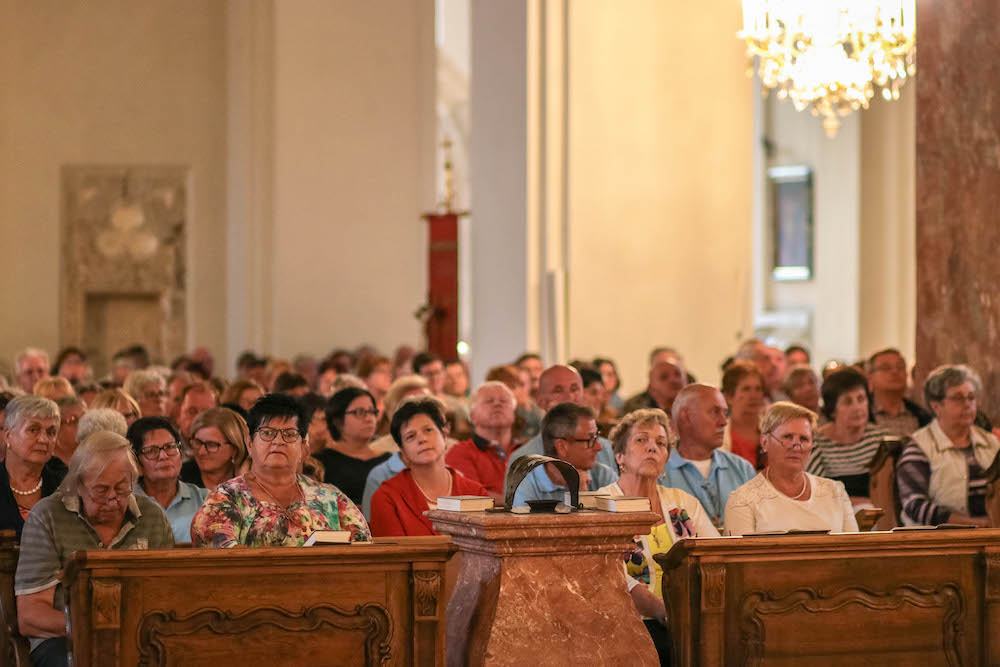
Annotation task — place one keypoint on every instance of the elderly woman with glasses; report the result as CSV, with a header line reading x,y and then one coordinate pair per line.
x,y
351,416
219,445
157,446
784,496
272,505
941,475
94,508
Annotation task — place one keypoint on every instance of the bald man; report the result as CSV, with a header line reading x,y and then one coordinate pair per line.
x,y
561,384
667,376
698,464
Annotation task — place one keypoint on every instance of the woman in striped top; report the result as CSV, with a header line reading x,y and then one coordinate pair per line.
x,y
843,448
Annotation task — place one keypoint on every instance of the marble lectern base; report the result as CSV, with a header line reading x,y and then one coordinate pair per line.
x,y
544,589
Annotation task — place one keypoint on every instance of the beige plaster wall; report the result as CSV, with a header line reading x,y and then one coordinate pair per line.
x,y
660,173
118,82
354,168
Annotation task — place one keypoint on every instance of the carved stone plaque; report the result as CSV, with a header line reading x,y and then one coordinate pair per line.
x,y
123,260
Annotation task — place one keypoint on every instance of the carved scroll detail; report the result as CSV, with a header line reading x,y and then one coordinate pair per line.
x,y
371,619
426,588
107,604
713,587
758,604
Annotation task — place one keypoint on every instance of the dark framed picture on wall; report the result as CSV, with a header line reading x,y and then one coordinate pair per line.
x,y
792,222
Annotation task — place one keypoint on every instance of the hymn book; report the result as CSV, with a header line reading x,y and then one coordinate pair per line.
x,y
464,503
320,537
587,498
623,504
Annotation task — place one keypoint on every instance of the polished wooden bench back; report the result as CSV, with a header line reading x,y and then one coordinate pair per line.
x,y
882,488
993,492
13,647
891,599
346,605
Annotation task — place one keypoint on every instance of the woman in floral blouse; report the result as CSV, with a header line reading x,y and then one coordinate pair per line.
x,y
641,443
272,506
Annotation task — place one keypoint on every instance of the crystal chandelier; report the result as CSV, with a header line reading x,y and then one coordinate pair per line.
x,y
829,55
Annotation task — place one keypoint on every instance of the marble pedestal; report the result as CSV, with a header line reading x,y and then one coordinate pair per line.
x,y
544,589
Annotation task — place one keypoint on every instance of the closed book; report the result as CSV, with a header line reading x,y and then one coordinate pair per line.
x,y
329,537
623,504
587,498
464,503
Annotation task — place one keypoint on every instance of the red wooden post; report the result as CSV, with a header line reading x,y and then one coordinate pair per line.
x,y
441,312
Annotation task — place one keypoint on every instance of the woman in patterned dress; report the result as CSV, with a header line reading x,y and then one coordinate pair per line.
x,y
271,505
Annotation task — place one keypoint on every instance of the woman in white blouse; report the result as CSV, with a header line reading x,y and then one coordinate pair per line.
x,y
783,496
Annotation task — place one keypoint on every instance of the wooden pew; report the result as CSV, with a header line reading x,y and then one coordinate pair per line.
x,y
13,647
374,604
993,492
882,488
929,597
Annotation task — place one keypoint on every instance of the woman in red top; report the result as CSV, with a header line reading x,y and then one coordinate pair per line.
x,y
399,504
743,387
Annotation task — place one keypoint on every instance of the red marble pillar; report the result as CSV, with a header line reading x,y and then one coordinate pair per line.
x,y
958,189
441,315
544,589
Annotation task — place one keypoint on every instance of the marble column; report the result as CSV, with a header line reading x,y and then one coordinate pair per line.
x,y
549,589
958,189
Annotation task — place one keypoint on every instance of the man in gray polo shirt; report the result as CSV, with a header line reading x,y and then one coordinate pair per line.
x,y
93,509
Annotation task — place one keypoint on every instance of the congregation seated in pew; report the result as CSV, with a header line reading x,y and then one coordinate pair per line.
x,y
641,442
398,506
272,505
29,472
941,473
844,447
784,496
94,508
569,433
157,447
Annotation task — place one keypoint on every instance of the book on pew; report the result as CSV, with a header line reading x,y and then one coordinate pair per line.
x,y
940,526
321,537
464,503
623,504
792,531
587,498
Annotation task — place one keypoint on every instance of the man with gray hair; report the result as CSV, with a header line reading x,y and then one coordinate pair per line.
x,y
100,419
569,433
484,457
698,464
94,508
149,389
30,366
29,472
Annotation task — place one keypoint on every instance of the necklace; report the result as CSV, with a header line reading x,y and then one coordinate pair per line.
x,y
284,508
427,495
805,485
27,493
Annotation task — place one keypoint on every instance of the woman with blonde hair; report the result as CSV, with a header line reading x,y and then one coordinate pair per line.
x,y
118,399
784,496
219,444
53,388
641,441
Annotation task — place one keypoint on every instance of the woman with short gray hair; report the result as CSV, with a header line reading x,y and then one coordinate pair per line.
x,y
941,475
29,472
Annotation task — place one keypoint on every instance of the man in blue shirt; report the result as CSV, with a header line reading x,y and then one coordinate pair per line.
x,y
698,465
380,473
561,384
569,432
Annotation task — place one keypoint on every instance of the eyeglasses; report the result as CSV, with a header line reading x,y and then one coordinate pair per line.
x,y
791,441
156,394
105,494
69,421
152,452
268,434
361,413
210,446
590,442
961,398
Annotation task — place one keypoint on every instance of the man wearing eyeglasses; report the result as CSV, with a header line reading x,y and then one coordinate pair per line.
x,y
569,433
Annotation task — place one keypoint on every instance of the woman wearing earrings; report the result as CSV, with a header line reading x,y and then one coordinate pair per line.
x,y
641,443
784,496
